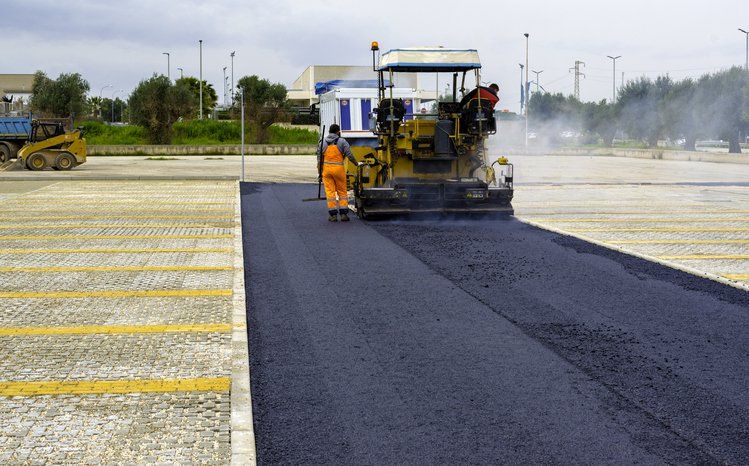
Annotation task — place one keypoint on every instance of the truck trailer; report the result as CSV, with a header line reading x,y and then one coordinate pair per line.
x,y
14,132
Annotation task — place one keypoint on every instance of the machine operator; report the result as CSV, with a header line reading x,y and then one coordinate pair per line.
x,y
333,150
489,94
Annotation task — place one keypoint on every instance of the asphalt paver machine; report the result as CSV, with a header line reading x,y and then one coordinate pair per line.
x,y
430,162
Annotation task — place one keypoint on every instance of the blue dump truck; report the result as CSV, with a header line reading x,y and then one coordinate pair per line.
x,y
14,132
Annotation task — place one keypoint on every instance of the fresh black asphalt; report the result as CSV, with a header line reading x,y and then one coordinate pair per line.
x,y
481,341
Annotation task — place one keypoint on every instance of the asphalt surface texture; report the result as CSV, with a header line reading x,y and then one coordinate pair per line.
x,y
469,341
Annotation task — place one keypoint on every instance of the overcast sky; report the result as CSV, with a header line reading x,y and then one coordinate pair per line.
x,y
121,42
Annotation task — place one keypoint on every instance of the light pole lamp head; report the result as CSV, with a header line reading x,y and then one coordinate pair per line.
x,y
232,54
526,35
521,66
745,32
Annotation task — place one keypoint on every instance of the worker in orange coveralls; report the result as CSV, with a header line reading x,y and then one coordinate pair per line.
x,y
333,150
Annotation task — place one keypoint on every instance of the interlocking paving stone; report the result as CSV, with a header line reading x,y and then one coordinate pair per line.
x,y
657,221
80,329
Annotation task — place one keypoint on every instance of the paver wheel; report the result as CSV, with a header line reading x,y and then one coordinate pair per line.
x,y
36,161
64,161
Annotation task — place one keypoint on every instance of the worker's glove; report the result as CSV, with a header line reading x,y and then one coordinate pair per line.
x,y
360,164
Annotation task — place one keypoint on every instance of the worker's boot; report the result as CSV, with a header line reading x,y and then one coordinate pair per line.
x,y
333,216
344,215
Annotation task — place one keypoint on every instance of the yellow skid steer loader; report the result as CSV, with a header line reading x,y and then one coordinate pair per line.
x,y
49,145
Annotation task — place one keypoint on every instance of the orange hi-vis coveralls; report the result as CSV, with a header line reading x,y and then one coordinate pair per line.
x,y
334,149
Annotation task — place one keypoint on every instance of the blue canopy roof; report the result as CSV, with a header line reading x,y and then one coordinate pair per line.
x,y
327,86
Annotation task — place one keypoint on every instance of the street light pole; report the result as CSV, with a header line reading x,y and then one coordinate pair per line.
x,y
100,93
613,59
224,86
537,82
168,65
201,80
232,76
181,73
527,68
746,33
522,90
114,94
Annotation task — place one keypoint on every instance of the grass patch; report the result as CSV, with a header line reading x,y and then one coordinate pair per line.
x,y
213,158
162,158
195,133
98,133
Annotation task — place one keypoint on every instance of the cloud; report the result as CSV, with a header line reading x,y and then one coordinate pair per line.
x,y
122,42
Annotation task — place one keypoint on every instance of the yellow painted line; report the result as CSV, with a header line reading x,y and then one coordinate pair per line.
x,y
638,220
660,230
117,251
114,294
706,257
62,226
77,237
150,217
111,329
100,387
737,276
90,211
679,241
638,212
114,268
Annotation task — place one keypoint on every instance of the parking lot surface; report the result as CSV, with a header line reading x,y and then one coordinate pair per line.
x,y
117,321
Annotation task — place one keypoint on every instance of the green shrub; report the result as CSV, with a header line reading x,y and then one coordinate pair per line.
x,y
98,133
195,133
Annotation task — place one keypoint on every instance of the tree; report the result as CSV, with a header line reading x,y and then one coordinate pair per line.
x,y
157,103
639,110
601,118
119,107
209,93
722,99
265,104
679,113
93,106
63,97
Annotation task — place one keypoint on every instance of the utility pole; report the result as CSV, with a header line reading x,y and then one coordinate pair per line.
x,y
578,73
224,86
181,73
527,68
613,59
232,77
522,89
201,79
537,84
746,33
168,66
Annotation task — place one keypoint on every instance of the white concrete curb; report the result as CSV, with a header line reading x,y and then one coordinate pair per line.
x,y
699,273
242,432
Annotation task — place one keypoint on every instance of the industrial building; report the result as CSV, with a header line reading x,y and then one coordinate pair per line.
x,y
302,91
16,85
